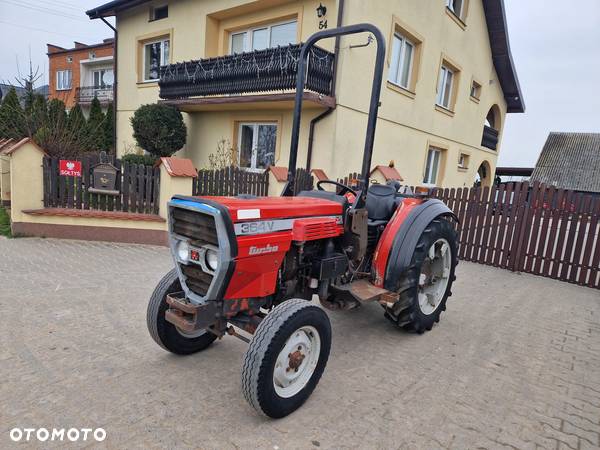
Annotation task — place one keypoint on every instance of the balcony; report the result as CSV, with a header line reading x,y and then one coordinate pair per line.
x,y
85,94
260,76
490,138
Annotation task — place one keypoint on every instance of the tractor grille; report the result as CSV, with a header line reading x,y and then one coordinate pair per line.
x,y
201,230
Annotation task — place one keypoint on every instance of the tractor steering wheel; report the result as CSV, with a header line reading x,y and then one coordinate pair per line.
x,y
343,187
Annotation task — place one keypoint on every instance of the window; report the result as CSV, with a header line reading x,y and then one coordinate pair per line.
x,y
257,143
402,61
156,54
475,90
463,161
63,80
456,6
264,37
432,166
102,78
161,12
445,85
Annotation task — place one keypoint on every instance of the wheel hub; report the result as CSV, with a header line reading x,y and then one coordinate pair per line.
x,y
435,273
295,359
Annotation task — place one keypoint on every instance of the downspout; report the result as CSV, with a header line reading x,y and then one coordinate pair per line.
x,y
114,102
328,111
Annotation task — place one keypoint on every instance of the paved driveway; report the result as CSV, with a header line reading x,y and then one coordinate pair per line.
x,y
515,362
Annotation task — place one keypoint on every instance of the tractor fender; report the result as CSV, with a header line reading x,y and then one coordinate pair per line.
x,y
407,237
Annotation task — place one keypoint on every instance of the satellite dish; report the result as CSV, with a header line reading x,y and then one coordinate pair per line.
x,y
108,77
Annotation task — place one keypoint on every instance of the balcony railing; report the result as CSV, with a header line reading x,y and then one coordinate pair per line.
x,y
272,69
85,94
490,138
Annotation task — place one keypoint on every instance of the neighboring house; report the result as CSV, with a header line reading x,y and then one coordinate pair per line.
x,y
449,81
79,74
570,161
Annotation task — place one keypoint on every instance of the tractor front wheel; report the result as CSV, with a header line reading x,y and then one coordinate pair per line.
x,y
286,357
164,333
426,285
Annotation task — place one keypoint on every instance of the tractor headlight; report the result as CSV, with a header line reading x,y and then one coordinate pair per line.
x,y
183,251
212,259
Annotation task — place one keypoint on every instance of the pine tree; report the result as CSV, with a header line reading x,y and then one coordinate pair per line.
x,y
77,129
109,129
57,114
12,117
95,126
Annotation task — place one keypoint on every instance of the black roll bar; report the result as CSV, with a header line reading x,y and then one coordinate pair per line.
x,y
373,107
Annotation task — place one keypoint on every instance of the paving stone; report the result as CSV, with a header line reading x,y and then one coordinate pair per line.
x,y
514,363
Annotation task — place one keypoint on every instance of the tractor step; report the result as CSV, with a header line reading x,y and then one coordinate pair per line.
x,y
364,291
187,316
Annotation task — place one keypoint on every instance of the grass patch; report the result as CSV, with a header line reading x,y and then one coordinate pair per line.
x,y
4,223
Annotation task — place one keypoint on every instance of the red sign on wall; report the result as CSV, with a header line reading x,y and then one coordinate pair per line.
x,y
69,168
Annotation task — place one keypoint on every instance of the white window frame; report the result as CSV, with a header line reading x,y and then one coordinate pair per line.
x,y
430,178
250,34
450,6
404,42
60,80
255,126
444,71
162,57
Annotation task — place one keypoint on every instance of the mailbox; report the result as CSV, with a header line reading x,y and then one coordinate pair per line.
x,y
104,179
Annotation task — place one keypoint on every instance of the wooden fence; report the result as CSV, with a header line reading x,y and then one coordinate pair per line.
x,y
230,181
138,187
534,228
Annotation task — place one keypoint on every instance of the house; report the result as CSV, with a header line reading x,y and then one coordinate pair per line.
x,y
79,74
570,161
449,81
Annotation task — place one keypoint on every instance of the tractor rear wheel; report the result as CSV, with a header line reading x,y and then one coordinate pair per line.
x,y
164,333
426,285
286,357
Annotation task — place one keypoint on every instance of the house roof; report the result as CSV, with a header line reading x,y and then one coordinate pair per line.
x,y
11,146
495,17
570,161
56,50
179,167
389,173
280,173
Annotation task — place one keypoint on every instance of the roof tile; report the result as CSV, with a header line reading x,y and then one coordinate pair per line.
x,y
570,161
179,167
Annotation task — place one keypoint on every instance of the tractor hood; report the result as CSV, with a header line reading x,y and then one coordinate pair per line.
x,y
242,209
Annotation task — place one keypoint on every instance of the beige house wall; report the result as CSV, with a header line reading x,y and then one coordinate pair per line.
x,y
409,120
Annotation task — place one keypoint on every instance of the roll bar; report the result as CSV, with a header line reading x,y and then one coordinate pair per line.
x,y
373,106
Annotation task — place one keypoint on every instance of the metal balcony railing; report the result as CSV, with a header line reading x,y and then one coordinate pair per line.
x,y
490,138
85,94
272,69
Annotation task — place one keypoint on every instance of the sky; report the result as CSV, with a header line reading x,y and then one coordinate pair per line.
x,y
556,51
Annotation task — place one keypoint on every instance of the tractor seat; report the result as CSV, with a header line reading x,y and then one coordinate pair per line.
x,y
381,202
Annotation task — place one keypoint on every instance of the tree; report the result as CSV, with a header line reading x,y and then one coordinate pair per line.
x,y
159,129
224,157
109,129
95,126
12,117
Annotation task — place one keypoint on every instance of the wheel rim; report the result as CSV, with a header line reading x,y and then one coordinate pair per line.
x,y
297,361
435,273
190,335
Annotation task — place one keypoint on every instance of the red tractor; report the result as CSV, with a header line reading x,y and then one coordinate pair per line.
x,y
254,264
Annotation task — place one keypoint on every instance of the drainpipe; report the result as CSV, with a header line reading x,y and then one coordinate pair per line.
x,y
114,102
313,122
